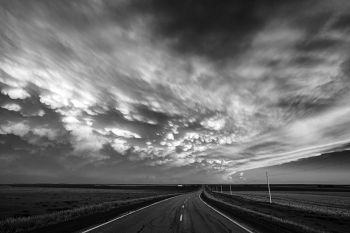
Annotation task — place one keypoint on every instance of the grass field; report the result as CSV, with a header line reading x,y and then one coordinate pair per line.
x,y
29,201
336,203
318,210
45,207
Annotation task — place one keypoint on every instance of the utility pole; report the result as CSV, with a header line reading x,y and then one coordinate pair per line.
x,y
221,188
268,186
230,190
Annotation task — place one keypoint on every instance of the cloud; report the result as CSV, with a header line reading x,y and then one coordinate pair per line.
x,y
12,107
19,129
15,93
191,88
219,31
123,133
214,123
318,45
341,23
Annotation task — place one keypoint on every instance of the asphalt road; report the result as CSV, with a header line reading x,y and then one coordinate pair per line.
x,y
181,214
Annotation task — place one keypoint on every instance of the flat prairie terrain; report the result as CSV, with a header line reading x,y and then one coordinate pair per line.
x,y
29,201
313,210
336,203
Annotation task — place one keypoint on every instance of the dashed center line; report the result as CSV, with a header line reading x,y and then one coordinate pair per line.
x,y
181,218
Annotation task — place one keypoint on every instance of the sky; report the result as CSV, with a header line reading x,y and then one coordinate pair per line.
x,y
168,91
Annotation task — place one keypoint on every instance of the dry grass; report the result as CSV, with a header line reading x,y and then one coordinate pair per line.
x,y
29,201
329,203
267,219
24,224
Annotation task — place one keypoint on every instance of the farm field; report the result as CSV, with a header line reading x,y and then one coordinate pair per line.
x,y
29,201
336,203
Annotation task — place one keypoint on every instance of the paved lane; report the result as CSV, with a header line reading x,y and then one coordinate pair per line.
x,y
183,214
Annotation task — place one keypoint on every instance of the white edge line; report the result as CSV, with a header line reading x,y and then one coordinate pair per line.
x,y
224,215
124,215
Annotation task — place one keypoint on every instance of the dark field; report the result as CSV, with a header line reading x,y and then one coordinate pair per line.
x,y
24,201
335,203
68,208
298,208
19,202
61,208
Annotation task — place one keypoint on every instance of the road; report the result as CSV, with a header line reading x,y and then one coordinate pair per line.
x,y
186,213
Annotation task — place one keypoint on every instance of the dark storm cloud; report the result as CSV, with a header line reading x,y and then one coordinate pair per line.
x,y
24,151
342,23
264,146
304,106
159,117
11,143
142,120
312,21
346,68
108,150
319,169
308,61
216,30
32,111
318,45
149,90
114,118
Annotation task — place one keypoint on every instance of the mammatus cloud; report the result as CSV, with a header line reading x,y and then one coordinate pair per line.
x,y
166,87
